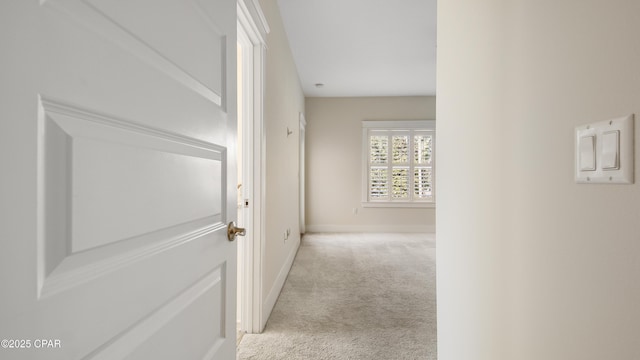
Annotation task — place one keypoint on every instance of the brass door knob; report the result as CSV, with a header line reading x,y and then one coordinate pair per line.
x,y
233,231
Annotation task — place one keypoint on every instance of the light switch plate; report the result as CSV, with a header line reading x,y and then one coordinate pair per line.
x,y
612,166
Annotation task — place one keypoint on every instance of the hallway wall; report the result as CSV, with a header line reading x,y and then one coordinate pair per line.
x,y
532,265
334,164
283,102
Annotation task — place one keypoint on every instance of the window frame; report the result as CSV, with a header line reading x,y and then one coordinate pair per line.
x,y
397,127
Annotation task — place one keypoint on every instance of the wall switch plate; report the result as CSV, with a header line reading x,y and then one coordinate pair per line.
x,y
605,152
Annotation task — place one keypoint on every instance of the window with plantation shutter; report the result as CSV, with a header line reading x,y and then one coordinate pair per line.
x,y
398,163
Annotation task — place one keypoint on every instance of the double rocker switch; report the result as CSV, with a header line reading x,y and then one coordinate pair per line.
x,y
604,151
609,154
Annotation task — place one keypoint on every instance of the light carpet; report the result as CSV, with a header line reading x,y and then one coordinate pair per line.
x,y
354,296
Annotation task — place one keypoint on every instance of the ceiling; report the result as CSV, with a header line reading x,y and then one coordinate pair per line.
x,y
363,47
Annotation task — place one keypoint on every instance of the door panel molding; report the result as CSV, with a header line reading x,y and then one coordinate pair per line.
x,y
92,17
127,342
78,269
68,258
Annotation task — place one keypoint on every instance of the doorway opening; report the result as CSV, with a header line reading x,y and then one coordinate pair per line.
x,y
243,199
251,160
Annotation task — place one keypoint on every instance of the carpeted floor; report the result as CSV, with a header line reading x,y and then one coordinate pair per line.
x,y
354,296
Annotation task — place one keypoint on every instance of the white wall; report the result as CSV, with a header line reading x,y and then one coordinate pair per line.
x,y
469,216
283,101
530,264
334,164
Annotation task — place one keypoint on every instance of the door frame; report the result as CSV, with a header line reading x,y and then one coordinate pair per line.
x,y
252,31
301,174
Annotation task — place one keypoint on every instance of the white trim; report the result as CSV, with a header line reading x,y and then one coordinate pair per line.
x,y
398,204
371,228
303,120
301,173
364,191
246,245
253,316
264,25
270,300
248,12
260,188
399,124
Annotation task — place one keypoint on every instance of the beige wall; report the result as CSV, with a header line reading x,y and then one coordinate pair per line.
x,y
283,101
530,264
334,164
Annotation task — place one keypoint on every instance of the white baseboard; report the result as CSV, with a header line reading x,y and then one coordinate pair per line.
x,y
371,228
271,299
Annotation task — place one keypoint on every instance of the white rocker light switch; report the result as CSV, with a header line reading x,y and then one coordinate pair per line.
x,y
610,149
587,153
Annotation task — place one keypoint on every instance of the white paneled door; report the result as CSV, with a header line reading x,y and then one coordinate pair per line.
x,y
117,179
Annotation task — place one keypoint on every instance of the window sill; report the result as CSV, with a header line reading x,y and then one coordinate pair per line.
x,y
398,204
